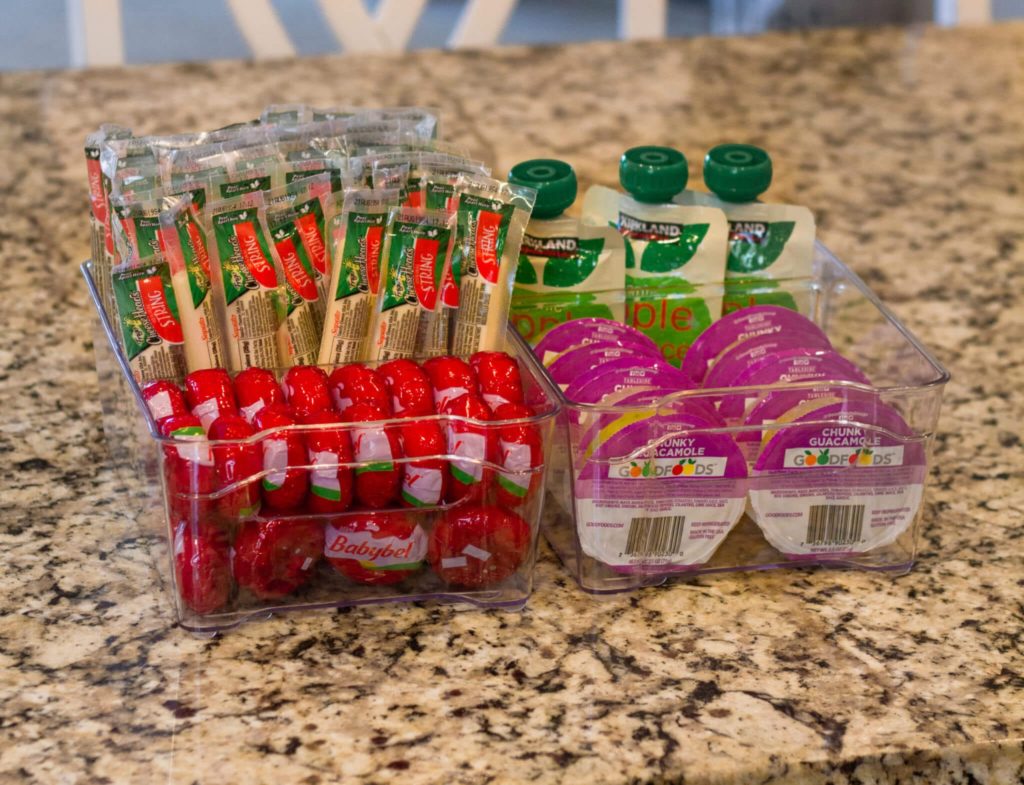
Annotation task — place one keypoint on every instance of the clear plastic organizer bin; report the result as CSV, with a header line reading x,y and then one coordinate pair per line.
x,y
639,494
479,549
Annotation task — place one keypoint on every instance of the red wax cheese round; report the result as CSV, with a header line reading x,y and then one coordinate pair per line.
x,y
283,488
409,386
188,467
423,482
377,548
276,557
473,444
498,378
450,377
376,448
520,454
164,399
330,485
479,546
210,395
357,383
202,566
305,389
233,465
254,389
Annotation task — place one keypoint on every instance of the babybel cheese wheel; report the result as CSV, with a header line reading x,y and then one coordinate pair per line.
x,y
235,465
520,455
476,547
330,484
305,389
409,386
499,380
425,482
164,399
202,567
254,389
357,383
283,487
210,395
375,548
472,446
275,558
375,448
450,377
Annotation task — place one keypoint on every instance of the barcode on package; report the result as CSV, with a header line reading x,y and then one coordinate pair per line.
x,y
835,524
659,536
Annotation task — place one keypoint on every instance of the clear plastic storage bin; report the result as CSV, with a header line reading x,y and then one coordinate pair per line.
x,y
638,495
164,487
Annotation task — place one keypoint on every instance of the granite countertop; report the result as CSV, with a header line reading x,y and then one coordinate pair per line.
x,y
909,146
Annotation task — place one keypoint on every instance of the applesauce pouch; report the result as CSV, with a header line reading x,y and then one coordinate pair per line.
x,y
417,250
147,317
491,218
246,279
185,248
356,235
675,254
771,246
567,270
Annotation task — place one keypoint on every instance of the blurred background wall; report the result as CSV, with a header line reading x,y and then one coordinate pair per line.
x,y
35,33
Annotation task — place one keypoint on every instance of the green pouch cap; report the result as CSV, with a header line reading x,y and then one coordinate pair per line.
x,y
553,180
737,172
653,174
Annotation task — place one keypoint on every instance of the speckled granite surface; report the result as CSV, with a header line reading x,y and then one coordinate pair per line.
x,y
909,145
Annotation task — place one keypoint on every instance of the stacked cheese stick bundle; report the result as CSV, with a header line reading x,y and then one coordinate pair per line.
x,y
306,237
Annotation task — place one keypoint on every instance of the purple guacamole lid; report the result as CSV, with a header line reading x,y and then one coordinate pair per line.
x,y
843,479
742,358
592,330
626,403
572,364
660,495
743,325
794,365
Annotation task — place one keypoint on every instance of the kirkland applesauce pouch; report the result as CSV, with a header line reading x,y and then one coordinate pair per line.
x,y
189,260
567,270
675,254
356,235
771,246
147,314
245,272
491,218
417,249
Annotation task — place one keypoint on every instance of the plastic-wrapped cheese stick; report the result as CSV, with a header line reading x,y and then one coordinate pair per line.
x,y
246,280
417,251
147,315
135,225
297,210
492,216
295,229
357,235
185,248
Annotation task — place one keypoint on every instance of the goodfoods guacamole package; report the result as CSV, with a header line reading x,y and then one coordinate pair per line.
x,y
567,270
492,217
675,254
417,251
356,238
771,246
